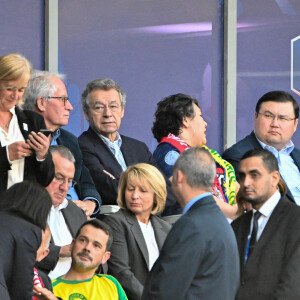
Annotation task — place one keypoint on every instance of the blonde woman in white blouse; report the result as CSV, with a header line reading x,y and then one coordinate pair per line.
x,y
23,148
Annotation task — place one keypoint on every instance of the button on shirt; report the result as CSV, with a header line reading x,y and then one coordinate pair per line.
x,y
115,148
287,168
14,134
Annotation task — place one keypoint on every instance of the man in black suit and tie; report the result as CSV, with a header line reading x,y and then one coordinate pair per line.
x,y
199,259
268,237
46,94
106,152
275,121
65,217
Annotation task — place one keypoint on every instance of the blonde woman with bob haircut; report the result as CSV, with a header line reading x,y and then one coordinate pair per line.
x,y
138,233
23,148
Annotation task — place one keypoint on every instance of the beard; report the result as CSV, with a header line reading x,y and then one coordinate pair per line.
x,y
255,201
84,264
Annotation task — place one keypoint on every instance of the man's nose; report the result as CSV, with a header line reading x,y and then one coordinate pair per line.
x,y
69,105
275,122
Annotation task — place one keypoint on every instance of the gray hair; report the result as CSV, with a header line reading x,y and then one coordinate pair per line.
x,y
63,151
198,166
104,84
39,85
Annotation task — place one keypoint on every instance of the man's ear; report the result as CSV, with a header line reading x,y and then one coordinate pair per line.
x,y
41,104
86,116
45,253
105,257
275,178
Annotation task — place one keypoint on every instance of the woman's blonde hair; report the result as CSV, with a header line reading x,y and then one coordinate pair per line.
x,y
14,66
151,176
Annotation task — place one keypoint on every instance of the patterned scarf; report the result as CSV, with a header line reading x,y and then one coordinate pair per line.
x,y
229,182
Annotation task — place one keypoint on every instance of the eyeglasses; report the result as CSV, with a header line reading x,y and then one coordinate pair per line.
x,y
280,118
61,180
64,99
99,109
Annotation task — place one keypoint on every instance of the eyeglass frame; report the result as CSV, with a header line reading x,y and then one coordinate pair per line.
x,y
63,180
115,108
64,99
280,118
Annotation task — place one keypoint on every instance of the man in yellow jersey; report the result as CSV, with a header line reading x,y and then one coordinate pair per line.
x,y
89,250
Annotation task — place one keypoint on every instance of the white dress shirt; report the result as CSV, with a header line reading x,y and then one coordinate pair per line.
x,y
14,134
150,240
266,211
61,236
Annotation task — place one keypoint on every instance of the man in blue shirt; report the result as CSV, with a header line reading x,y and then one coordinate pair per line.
x,y
199,259
276,119
47,94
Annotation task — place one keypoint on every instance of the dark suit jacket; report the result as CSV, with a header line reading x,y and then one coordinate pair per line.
x,y
42,172
19,241
199,259
273,269
85,186
235,153
129,261
74,217
98,157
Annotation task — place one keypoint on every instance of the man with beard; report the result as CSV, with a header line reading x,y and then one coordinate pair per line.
x,y
268,237
90,249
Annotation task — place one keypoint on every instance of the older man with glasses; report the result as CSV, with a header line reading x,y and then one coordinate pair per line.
x,y
65,217
46,94
276,120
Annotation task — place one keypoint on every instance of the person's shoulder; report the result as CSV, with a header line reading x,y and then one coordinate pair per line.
x,y
157,219
30,114
110,280
241,146
67,134
85,135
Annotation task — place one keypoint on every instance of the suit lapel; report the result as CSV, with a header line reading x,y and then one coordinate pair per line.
x,y
271,227
242,237
106,156
138,235
160,234
23,123
69,219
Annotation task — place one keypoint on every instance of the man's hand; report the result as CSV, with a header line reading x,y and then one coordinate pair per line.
x,y
43,293
39,143
18,150
65,251
88,206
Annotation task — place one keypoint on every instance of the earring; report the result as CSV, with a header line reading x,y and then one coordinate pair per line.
x,y
190,136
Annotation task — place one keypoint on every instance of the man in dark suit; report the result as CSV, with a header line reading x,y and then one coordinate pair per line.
x,y
105,152
276,119
268,237
65,217
46,94
199,259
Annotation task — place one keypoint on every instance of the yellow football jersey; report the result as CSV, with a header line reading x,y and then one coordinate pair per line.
x,y
98,287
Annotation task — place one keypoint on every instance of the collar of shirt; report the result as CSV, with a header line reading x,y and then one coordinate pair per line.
x,y
269,205
193,201
289,147
61,206
55,136
109,143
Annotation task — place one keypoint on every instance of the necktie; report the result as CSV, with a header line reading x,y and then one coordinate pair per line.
x,y
254,232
